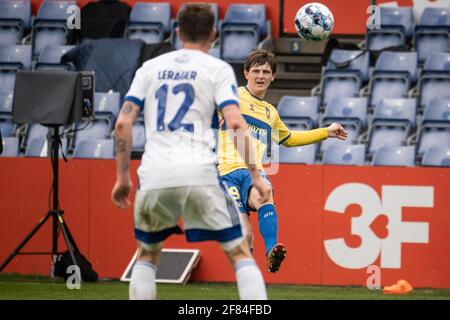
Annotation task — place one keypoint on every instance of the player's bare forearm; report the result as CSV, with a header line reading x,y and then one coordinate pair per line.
x,y
123,138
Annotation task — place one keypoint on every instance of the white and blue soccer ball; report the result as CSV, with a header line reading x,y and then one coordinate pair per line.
x,y
314,22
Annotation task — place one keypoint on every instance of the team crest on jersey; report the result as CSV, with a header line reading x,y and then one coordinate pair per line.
x,y
267,113
251,107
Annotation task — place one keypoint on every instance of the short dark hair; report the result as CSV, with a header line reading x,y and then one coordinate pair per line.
x,y
259,58
195,22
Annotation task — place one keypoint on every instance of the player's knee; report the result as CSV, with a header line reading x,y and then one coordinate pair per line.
x,y
255,200
239,252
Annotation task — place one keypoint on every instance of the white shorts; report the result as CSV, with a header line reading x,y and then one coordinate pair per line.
x,y
208,213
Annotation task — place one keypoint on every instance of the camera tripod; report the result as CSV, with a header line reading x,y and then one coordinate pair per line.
x,y
55,213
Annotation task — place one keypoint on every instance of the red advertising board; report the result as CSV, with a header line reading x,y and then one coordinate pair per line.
x,y
336,222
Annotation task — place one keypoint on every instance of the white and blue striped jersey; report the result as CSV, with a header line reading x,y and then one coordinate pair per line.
x,y
180,93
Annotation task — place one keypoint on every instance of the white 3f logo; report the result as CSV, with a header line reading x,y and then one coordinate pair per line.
x,y
391,203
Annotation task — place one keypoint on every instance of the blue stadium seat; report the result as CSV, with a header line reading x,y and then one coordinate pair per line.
x,y
242,29
13,58
10,147
14,20
7,127
395,156
50,58
437,63
149,22
94,149
433,32
397,25
39,147
107,105
437,112
437,156
339,154
394,72
176,42
215,52
98,129
299,113
138,143
6,99
435,130
302,154
434,81
344,74
392,122
351,113
50,25
34,131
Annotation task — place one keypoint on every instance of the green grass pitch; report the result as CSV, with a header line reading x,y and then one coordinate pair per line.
x,y
14,286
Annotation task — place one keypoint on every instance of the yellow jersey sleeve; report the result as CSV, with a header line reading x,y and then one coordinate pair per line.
x,y
280,132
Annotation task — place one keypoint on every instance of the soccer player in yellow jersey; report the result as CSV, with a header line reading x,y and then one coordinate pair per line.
x,y
265,125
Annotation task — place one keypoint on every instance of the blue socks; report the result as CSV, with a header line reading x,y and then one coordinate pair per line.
x,y
268,225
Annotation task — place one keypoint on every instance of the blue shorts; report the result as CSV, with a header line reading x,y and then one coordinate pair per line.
x,y
239,183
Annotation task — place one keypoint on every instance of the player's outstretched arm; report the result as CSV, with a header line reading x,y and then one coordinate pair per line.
x,y
234,121
300,138
123,138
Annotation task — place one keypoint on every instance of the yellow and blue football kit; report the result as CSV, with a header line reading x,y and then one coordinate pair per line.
x,y
265,125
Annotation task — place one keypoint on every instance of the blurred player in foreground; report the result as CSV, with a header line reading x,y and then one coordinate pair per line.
x,y
265,125
179,92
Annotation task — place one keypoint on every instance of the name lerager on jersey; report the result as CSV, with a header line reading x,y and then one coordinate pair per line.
x,y
176,75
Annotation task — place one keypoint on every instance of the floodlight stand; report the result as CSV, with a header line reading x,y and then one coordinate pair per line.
x,y
55,213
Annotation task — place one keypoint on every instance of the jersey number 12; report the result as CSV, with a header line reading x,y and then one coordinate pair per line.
x,y
161,96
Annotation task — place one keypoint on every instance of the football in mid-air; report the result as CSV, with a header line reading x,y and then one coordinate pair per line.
x,y
314,22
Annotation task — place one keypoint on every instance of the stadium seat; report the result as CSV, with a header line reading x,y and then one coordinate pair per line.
x,y
437,156
302,154
149,22
435,129
97,129
395,156
107,105
50,25
242,30
6,98
394,72
32,132
7,127
138,143
351,113
94,149
345,72
437,63
299,113
14,20
433,32
340,154
397,26
435,79
50,58
10,147
392,122
13,58
437,112
39,147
